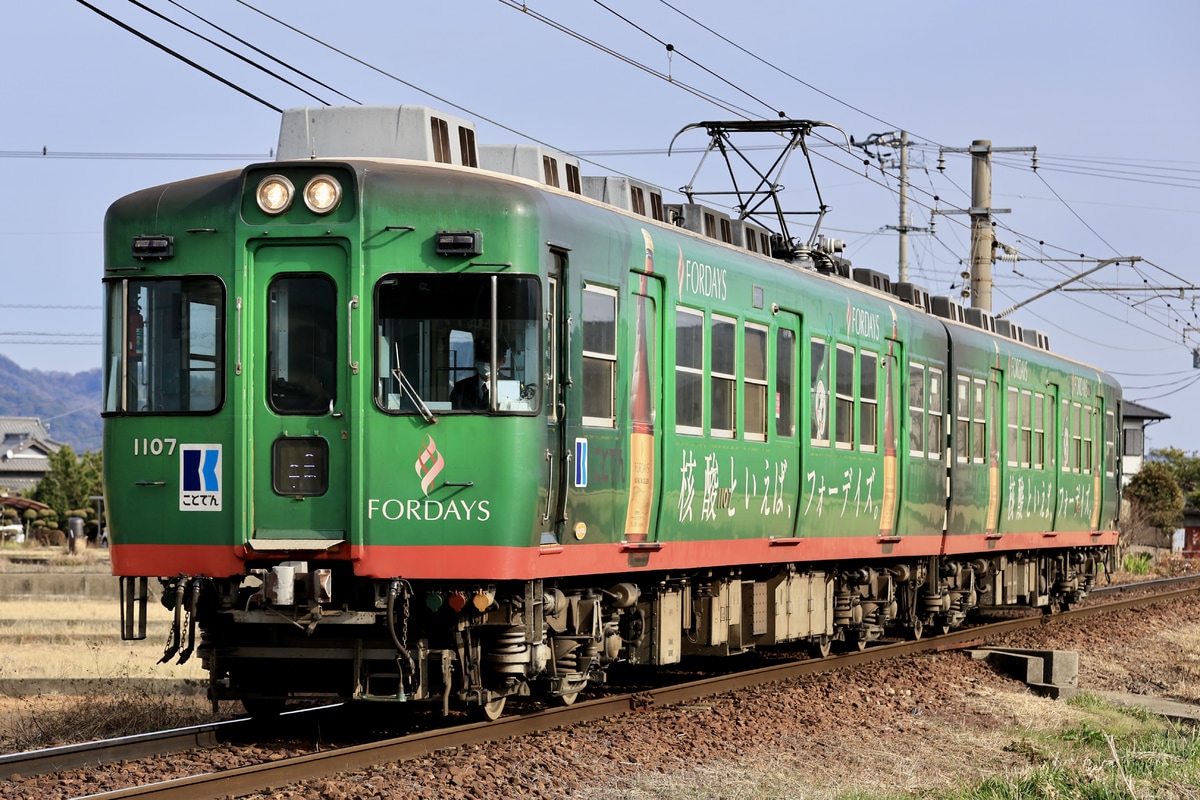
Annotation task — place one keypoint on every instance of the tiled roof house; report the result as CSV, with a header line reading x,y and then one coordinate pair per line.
x,y
25,450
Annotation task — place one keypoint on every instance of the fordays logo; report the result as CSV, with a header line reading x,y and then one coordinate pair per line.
x,y
429,465
200,477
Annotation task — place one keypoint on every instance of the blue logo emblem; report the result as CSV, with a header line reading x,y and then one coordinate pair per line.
x,y
581,465
200,477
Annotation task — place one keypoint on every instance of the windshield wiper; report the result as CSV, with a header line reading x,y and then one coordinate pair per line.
x,y
408,389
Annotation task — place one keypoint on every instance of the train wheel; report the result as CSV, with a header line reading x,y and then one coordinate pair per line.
x,y
491,710
820,647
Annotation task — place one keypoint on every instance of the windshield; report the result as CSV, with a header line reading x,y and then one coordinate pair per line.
x,y
458,343
164,346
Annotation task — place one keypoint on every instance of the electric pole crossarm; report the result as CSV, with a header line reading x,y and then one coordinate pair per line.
x,y
1099,266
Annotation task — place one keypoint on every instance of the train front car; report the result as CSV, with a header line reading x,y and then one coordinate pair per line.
x,y
318,377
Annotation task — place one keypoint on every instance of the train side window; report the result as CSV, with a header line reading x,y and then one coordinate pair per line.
x,y
979,421
819,381
1014,424
935,413
843,412
754,392
723,376
599,357
689,371
916,409
1065,424
1077,464
1038,454
1087,430
962,426
868,398
1026,434
785,368
1110,444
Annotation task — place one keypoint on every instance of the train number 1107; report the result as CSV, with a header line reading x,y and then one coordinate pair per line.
x,y
153,447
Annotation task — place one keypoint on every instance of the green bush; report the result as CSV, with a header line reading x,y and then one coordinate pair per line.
x,y
1136,563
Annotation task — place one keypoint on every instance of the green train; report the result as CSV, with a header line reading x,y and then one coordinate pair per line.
x,y
402,417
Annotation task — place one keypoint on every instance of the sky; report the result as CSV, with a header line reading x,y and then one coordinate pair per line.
x,y
1105,91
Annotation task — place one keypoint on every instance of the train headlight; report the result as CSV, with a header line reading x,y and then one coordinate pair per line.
x,y
322,194
275,194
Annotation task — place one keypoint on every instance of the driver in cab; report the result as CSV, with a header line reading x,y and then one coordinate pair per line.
x,y
473,392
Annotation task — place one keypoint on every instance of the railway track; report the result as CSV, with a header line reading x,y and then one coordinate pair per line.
x,y
262,777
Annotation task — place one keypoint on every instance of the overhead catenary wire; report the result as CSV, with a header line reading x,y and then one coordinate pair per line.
x,y
884,183
180,56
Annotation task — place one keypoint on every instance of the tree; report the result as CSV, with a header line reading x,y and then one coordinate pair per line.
x,y
1184,467
71,481
1156,497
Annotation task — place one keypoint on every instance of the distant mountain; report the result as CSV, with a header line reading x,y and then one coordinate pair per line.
x,y
68,405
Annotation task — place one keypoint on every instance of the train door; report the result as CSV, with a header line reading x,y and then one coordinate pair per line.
x,y
786,386
299,373
645,442
1056,423
892,451
560,456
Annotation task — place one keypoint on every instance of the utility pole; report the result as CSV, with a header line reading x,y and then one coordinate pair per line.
x,y
983,235
895,139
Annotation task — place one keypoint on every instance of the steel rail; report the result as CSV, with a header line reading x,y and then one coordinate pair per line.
x,y
124,748
273,775
99,753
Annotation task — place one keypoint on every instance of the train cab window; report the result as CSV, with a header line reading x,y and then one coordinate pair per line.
x,y
302,344
962,425
935,406
868,401
819,381
165,346
755,382
689,371
785,369
599,357
843,412
916,409
458,344
723,373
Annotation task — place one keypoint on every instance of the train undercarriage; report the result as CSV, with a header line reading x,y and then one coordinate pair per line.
x,y
312,631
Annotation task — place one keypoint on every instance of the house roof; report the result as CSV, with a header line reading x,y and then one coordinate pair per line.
x,y
1132,410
